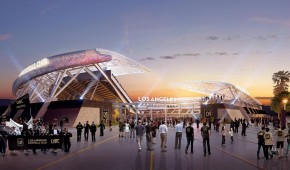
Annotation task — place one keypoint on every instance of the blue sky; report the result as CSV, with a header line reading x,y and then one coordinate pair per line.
x,y
240,42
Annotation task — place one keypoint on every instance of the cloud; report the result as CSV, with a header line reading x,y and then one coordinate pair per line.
x,y
260,38
167,57
5,37
178,55
186,54
264,38
212,38
272,21
148,59
235,53
220,53
233,37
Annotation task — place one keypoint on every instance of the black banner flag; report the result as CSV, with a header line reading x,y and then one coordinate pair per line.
x,y
22,102
34,142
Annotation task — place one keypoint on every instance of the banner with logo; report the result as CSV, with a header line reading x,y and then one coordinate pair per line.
x,y
22,102
34,142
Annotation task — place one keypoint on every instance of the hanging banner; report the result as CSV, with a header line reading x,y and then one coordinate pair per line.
x,y
21,103
34,142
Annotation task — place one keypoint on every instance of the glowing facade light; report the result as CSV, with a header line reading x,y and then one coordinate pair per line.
x,y
34,66
285,101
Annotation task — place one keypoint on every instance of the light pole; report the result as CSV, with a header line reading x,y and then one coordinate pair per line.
x,y
283,116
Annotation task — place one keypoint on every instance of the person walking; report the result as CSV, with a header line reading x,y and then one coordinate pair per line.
x,y
231,132
79,128
87,128
261,142
102,128
268,143
3,141
279,134
288,140
93,129
66,140
163,135
205,133
217,125
61,125
132,129
190,137
223,135
178,135
148,129
154,128
139,134
197,123
55,133
36,132
244,126
237,124
121,128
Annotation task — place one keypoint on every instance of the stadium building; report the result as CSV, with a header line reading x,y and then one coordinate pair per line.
x,y
83,85
79,86
224,100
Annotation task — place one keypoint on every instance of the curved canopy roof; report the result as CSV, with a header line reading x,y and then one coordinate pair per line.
x,y
230,93
77,74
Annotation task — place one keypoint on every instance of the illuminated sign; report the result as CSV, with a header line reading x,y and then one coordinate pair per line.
x,y
35,66
157,99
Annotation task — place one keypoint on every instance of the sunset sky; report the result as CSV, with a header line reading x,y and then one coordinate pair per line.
x,y
239,42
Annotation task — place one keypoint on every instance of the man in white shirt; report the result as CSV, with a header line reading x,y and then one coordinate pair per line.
x,y
178,135
163,135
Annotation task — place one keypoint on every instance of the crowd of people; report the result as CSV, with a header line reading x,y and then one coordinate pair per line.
x,y
136,130
89,128
266,142
38,129
150,128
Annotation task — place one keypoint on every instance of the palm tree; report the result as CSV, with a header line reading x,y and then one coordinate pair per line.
x,y
280,79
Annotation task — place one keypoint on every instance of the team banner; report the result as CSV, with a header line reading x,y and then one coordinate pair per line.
x,y
34,142
22,102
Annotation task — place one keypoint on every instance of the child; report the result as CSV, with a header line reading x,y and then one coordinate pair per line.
x,y
223,135
231,132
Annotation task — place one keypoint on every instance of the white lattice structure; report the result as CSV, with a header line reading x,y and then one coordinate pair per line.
x,y
221,92
86,74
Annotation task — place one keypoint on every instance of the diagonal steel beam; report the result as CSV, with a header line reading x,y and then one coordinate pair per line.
x,y
73,78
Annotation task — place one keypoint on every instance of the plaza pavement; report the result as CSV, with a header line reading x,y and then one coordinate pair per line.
x,y
113,153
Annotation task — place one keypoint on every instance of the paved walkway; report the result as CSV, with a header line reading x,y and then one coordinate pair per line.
x,y
113,153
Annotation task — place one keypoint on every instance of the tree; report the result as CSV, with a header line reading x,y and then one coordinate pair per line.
x,y
280,79
277,105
